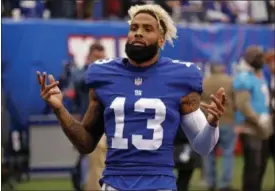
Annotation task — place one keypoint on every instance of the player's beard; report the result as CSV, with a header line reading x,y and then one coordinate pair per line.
x,y
141,54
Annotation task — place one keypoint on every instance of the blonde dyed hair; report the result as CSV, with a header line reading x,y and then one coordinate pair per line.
x,y
161,15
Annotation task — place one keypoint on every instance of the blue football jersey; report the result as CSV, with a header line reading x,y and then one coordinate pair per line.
x,y
141,112
258,90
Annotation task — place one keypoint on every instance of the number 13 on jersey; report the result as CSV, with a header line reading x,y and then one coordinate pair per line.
x,y
118,142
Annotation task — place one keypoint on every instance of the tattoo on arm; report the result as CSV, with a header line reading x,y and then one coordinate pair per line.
x,y
93,120
190,103
86,134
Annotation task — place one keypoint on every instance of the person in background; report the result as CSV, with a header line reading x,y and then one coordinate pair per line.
x,y
8,6
5,120
270,4
227,138
252,103
88,169
84,9
192,11
269,148
241,10
97,158
165,5
6,172
185,160
258,12
66,85
125,5
96,165
62,9
219,11
96,52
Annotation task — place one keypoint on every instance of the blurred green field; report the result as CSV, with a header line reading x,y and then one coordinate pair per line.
x,y
65,184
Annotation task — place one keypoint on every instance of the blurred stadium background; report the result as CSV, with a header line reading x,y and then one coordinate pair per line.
x,y
65,184
48,35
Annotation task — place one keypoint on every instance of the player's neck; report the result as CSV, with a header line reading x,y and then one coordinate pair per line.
x,y
145,64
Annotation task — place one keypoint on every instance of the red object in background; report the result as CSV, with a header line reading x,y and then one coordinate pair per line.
x,y
238,147
113,7
70,93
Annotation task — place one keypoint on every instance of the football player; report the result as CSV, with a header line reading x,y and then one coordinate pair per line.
x,y
139,102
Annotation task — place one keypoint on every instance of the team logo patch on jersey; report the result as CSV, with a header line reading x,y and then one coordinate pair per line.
x,y
138,81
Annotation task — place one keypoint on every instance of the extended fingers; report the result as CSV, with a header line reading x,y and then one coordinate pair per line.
x,y
221,95
212,109
205,106
51,78
220,92
46,96
215,112
39,77
215,109
52,85
223,99
43,82
50,90
218,103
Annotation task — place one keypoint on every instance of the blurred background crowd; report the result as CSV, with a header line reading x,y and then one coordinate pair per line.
x,y
63,37
181,10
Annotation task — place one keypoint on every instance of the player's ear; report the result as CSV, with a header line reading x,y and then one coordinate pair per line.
x,y
161,42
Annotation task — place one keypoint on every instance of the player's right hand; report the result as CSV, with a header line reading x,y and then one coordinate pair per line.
x,y
50,93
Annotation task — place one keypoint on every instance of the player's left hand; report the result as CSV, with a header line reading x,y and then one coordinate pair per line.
x,y
216,108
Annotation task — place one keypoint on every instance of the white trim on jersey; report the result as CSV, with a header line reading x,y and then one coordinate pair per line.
x,y
106,187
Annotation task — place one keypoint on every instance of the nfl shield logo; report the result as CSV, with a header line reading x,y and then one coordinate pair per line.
x,y
138,81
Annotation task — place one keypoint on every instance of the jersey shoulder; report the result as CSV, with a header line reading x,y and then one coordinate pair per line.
x,y
243,81
185,74
181,65
100,71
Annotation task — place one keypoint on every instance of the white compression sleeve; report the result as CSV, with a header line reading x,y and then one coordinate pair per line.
x,y
200,134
